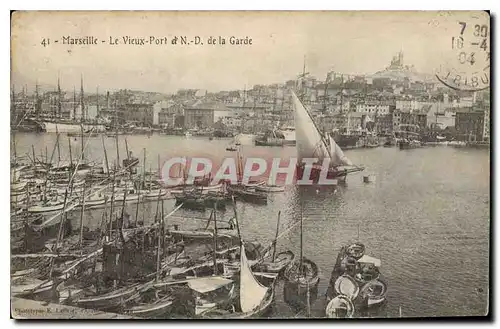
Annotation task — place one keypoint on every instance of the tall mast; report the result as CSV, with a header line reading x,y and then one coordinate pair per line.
x,y
58,97
302,81
342,104
74,103
37,105
97,100
107,101
82,105
301,239
243,107
13,102
215,238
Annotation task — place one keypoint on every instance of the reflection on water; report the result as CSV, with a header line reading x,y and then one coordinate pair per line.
x,y
426,216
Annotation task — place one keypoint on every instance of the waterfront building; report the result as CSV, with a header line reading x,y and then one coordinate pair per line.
x,y
202,114
168,113
472,124
141,113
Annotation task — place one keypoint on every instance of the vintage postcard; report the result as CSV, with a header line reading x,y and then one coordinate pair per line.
x,y
207,165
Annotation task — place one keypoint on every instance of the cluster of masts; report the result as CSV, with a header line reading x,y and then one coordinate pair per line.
x,y
56,102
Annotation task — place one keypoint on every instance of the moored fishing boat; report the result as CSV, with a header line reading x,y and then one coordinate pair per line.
x,y
302,275
96,199
253,184
246,194
18,198
129,195
49,206
32,288
356,276
270,188
340,307
18,186
301,278
151,303
406,144
109,300
151,194
201,234
255,299
281,262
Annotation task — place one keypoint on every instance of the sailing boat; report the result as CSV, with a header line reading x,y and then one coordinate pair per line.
x,y
312,144
254,298
301,278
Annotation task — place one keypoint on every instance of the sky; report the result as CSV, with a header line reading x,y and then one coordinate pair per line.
x,y
344,42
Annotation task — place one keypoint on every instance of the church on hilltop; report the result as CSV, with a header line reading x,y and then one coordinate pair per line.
x,y
397,63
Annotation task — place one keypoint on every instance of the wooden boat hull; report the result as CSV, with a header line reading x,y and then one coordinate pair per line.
x,y
283,260
154,194
130,197
339,307
403,145
332,175
109,300
270,188
40,209
248,196
193,235
155,310
260,311
18,186
33,289
299,288
18,198
94,202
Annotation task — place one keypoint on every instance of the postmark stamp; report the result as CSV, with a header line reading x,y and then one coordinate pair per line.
x,y
466,59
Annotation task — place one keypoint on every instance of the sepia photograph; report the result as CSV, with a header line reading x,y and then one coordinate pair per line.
x,y
250,164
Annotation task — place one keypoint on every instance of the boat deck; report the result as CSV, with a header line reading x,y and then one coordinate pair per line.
x,y
31,309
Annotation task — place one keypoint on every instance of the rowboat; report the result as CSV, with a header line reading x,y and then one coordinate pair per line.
x,y
357,277
345,285
283,259
253,184
300,285
305,278
70,290
201,234
16,198
197,189
131,196
20,185
47,207
158,308
247,195
339,307
153,194
270,188
96,199
109,300
33,288
64,183
373,293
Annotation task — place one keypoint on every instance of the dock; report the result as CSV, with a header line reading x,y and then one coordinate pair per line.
x,y
23,309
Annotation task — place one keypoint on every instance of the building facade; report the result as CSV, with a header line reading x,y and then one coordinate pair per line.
x,y
471,123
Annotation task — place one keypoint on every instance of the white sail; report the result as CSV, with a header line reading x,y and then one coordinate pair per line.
x,y
308,139
338,157
251,291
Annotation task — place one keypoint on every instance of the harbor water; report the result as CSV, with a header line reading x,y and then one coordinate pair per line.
x,y
426,216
